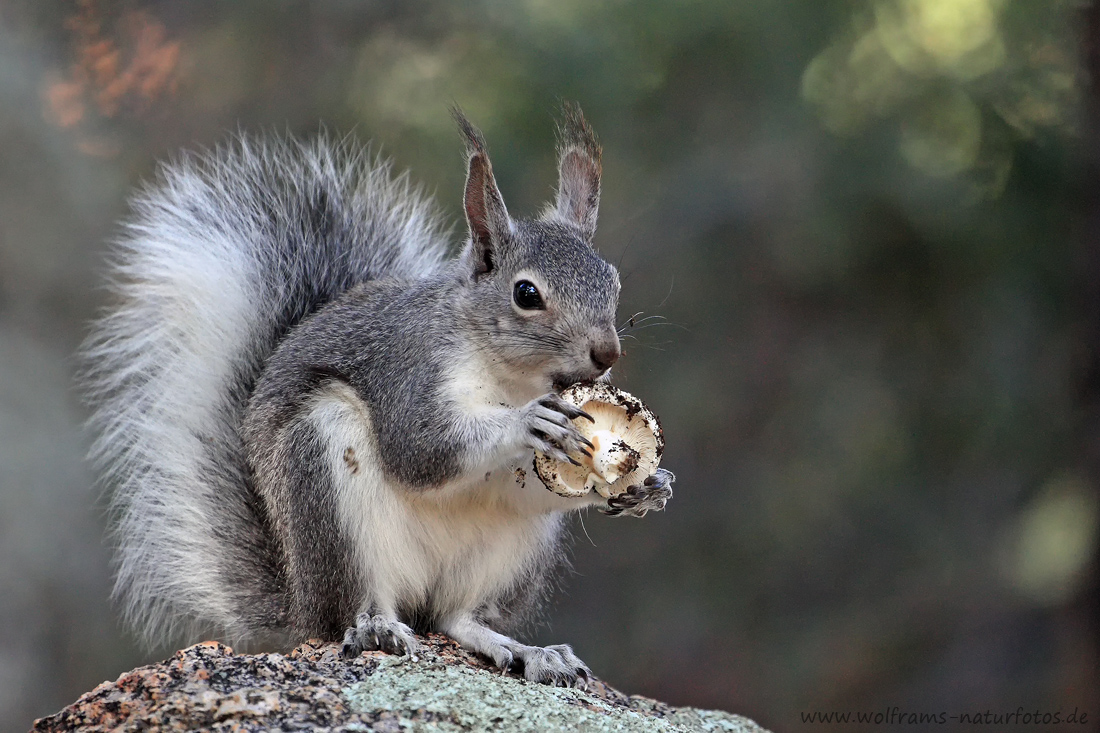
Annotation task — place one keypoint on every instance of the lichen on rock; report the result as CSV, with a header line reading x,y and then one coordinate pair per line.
x,y
209,687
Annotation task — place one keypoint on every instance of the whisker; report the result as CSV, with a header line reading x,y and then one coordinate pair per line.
x,y
585,529
669,290
662,323
644,321
630,321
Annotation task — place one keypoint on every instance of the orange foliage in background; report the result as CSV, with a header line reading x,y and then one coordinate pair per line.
x,y
128,64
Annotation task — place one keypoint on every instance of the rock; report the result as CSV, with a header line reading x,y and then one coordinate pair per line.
x,y
209,687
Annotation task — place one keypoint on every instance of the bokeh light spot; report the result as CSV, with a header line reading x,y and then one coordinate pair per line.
x,y
1052,541
943,139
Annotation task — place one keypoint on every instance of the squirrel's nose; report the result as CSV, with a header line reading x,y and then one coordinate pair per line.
x,y
605,353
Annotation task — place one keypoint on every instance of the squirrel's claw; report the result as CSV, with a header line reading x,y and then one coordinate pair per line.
x,y
556,402
555,665
378,632
550,430
636,501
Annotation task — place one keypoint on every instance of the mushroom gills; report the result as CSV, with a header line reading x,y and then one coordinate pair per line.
x,y
611,458
626,444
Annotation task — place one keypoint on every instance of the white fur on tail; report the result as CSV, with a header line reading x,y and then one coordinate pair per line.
x,y
221,255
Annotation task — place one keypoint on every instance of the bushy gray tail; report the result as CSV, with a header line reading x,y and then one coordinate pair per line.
x,y
222,255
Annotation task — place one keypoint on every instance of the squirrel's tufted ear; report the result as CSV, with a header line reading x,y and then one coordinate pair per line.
x,y
486,215
579,169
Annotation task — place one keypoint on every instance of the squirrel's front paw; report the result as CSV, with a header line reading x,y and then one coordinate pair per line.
x,y
378,632
651,494
547,427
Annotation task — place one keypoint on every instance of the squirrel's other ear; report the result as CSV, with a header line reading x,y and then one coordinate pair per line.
x,y
579,168
486,214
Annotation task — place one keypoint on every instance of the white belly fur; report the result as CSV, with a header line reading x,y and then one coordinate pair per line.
x,y
456,548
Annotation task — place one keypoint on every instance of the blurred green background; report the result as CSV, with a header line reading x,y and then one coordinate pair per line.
x,y
868,229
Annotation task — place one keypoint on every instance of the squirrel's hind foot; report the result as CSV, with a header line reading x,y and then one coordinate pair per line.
x,y
553,665
372,633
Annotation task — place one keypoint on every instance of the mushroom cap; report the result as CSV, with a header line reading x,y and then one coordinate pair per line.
x,y
627,444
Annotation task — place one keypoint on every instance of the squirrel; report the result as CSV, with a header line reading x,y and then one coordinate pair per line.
x,y
315,421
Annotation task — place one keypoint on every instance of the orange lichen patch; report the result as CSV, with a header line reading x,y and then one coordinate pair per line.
x,y
127,64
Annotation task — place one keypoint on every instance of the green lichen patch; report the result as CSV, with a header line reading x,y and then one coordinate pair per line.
x,y
427,695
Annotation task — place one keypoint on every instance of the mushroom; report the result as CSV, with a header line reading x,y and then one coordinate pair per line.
x,y
627,443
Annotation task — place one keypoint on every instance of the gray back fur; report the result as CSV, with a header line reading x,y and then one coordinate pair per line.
x,y
221,256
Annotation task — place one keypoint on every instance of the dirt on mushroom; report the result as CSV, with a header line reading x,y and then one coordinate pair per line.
x,y
627,444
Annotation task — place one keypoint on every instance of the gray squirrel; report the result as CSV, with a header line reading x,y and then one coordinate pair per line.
x,y
316,423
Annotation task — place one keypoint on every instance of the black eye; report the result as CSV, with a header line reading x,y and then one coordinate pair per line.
x,y
527,296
